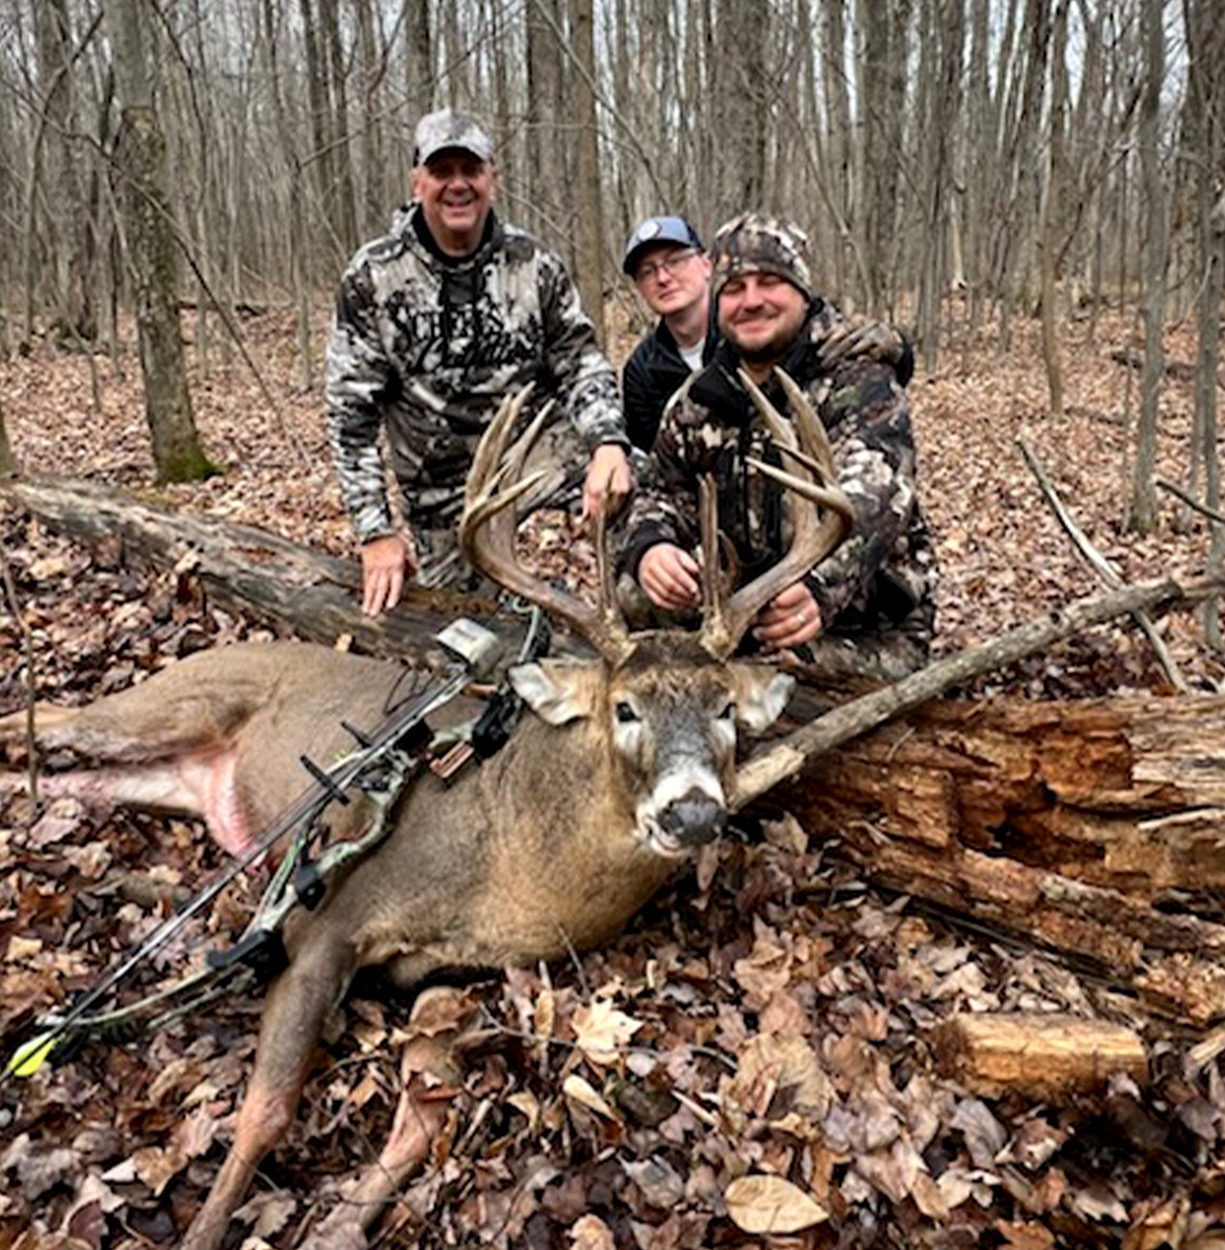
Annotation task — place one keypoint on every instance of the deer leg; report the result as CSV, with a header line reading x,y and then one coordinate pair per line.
x,y
144,723
297,1006
430,1071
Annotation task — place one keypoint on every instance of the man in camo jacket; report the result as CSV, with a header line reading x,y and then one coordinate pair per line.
x,y
434,324
868,607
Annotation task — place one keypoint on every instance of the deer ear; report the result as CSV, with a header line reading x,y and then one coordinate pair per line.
x,y
557,691
761,695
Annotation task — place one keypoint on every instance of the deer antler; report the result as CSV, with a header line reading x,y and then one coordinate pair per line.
x,y
487,532
812,537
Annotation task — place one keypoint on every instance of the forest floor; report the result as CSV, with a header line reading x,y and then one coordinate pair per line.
x,y
780,1007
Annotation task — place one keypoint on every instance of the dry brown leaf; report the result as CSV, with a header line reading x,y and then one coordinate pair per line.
x,y
589,1232
770,1204
602,1031
585,1094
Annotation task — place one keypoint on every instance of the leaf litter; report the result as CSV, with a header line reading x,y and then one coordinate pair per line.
x,y
751,1064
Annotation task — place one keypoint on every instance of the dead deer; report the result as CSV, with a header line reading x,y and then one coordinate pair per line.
x,y
503,866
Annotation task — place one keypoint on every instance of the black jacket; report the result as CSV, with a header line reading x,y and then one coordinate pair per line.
x,y
652,375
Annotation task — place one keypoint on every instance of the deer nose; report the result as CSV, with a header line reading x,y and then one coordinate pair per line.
x,y
693,819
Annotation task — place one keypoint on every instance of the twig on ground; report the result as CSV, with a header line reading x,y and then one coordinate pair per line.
x,y
1099,564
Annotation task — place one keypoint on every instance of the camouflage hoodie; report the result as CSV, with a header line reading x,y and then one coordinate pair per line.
x,y
883,575
429,346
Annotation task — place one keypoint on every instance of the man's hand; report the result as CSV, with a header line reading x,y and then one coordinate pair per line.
x,y
856,337
608,475
670,577
789,619
386,564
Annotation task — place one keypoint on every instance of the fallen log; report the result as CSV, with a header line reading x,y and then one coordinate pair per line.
x,y
245,569
1092,827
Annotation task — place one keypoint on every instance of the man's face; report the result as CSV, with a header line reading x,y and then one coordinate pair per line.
x,y
672,278
455,190
760,314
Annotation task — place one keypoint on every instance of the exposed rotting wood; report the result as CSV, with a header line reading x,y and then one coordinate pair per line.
x,y
1097,827
1051,1056
1126,792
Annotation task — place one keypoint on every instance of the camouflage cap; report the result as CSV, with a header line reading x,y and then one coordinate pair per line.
x,y
447,129
755,243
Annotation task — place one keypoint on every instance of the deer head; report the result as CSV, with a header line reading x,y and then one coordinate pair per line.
x,y
665,704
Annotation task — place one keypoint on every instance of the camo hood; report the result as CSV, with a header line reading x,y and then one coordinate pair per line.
x,y
755,243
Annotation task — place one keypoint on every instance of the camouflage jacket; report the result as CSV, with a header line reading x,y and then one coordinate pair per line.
x,y
884,573
428,347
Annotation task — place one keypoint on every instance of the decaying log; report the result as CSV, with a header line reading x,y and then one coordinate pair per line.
x,y
1094,827
1045,1056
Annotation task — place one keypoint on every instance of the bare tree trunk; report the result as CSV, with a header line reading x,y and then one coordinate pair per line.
x,y
838,120
945,32
1143,492
299,276
741,115
72,292
346,199
418,59
1206,134
149,235
880,86
1052,215
590,220
546,160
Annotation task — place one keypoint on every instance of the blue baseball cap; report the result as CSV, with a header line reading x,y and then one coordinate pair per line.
x,y
658,230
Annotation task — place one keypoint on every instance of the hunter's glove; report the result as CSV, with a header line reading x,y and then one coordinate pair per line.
x,y
857,337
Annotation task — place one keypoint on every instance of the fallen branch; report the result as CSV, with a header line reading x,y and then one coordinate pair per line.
x,y
784,759
1190,500
1099,564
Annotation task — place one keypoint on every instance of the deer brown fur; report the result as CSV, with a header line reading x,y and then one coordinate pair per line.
x,y
503,866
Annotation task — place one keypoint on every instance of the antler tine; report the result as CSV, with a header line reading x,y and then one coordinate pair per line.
x,y
708,518
483,475
487,529
826,496
812,537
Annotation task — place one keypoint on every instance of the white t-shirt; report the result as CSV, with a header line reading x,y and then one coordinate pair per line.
x,y
692,356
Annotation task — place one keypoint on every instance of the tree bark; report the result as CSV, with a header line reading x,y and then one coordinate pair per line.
x,y
1143,514
590,249
150,247
1206,134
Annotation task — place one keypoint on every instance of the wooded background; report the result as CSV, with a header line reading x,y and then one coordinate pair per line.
x,y
1028,157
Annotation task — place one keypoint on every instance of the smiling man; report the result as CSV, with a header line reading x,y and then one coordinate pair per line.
x,y
868,608
434,324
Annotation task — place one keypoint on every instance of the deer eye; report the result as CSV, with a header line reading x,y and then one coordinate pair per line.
x,y
624,713
729,711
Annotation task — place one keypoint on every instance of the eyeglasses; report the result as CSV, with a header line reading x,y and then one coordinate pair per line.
x,y
673,263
